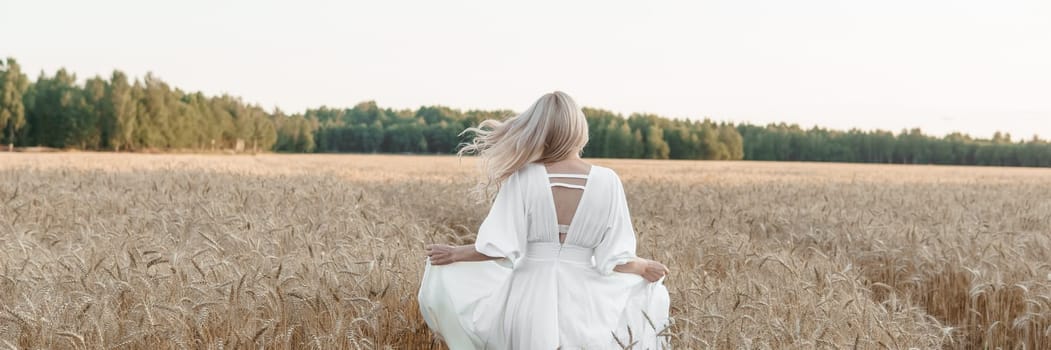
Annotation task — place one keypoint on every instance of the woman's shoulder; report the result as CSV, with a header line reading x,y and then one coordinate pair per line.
x,y
598,172
599,168
531,167
526,172
605,173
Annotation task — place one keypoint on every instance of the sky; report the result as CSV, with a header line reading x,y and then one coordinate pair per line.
x,y
940,65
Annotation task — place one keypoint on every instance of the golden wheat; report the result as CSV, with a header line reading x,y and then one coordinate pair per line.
x,y
324,251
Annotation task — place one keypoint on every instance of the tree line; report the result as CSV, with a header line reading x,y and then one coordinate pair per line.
x,y
119,113
791,143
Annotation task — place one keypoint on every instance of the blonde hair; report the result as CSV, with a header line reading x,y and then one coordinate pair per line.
x,y
552,129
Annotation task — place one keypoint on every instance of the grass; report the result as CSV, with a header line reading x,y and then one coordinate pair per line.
x,y
134,251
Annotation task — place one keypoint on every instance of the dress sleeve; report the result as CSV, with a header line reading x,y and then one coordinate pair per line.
x,y
618,243
503,232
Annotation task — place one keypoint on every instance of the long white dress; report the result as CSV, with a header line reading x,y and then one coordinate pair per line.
x,y
543,294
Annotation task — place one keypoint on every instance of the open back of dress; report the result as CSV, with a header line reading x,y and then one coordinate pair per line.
x,y
558,237
567,190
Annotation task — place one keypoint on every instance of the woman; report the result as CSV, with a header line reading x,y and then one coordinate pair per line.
x,y
554,262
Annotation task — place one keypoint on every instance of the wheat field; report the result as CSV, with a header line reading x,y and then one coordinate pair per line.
x,y
137,251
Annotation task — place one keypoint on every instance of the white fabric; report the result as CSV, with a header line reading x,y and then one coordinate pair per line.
x,y
542,294
563,184
570,176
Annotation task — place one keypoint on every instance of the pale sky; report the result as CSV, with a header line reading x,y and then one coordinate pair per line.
x,y
942,65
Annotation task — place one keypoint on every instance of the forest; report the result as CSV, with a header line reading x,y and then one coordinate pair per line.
x,y
121,113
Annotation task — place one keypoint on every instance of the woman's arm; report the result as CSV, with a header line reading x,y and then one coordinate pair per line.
x,y
443,254
648,269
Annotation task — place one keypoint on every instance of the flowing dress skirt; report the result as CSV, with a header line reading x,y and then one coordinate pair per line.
x,y
555,297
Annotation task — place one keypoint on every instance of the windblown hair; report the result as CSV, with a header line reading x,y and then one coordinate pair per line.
x,y
552,129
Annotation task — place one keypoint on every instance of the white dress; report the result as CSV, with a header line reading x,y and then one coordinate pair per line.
x,y
543,294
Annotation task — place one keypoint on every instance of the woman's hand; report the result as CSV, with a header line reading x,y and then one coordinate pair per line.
x,y
651,270
442,254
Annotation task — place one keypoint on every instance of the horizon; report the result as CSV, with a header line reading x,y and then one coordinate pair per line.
x,y
1014,138
944,66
